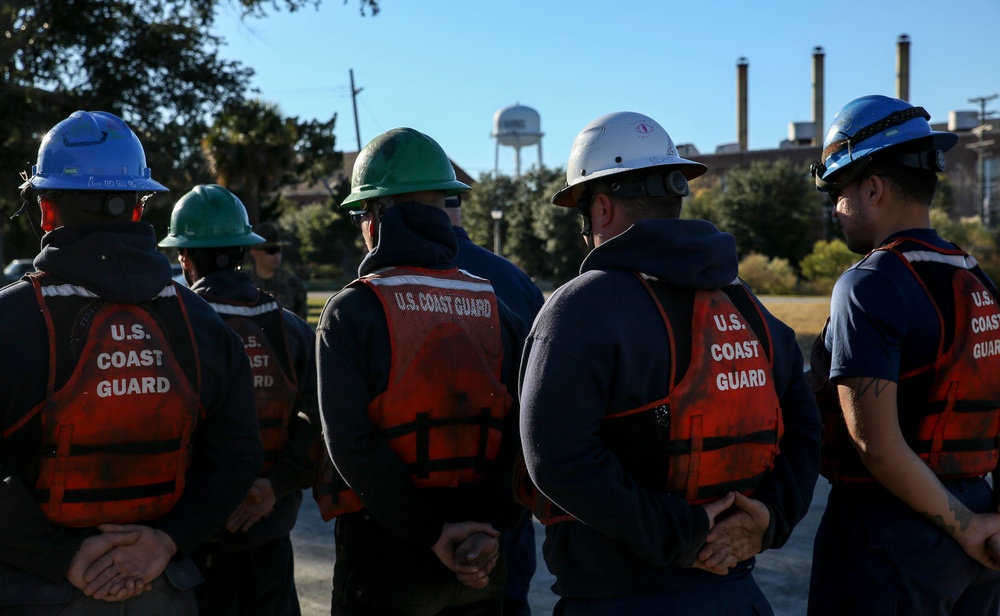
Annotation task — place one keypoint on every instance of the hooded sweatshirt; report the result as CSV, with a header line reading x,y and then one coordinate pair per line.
x,y
354,357
293,470
599,346
118,262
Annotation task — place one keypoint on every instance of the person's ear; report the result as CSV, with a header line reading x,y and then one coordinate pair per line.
x,y
603,211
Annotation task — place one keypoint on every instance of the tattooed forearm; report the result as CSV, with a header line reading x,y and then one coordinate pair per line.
x,y
962,515
877,385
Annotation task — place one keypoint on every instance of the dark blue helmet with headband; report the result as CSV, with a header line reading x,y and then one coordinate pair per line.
x,y
870,124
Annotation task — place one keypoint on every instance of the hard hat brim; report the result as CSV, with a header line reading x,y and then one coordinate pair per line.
x,y
690,169
111,183
179,241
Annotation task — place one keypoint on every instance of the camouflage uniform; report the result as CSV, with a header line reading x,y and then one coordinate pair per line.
x,y
287,288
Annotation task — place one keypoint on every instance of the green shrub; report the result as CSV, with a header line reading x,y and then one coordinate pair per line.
x,y
768,276
824,265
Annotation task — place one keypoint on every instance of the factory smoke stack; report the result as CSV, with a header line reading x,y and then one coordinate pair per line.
x,y
903,67
817,78
741,103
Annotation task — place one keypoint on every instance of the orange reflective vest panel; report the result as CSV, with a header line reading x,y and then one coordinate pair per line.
x,y
443,409
275,385
949,410
121,406
719,427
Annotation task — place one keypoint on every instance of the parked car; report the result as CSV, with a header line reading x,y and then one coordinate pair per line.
x,y
178,274
17,268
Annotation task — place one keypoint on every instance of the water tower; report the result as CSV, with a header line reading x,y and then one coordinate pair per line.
x,y
517,126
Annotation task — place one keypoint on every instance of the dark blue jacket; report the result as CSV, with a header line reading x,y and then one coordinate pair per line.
x,y
512,286
354,357
118,262
293,470
599,346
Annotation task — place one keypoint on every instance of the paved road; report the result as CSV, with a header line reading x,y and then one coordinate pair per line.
x,y
783,574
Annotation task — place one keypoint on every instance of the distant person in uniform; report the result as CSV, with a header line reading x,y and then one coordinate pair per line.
x,y
271,278
249,570
516,289
127,431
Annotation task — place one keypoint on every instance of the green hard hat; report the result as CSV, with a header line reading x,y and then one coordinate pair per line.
x,y
399,161
209,217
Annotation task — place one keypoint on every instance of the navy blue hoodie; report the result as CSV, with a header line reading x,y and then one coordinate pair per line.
x,y
599,346
118,262
354,357
293,470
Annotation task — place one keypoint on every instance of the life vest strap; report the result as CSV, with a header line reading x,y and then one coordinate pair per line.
x,y
124,449
712,443
109,494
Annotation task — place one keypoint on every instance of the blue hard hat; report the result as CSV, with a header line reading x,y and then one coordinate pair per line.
x,y
873,123
92,150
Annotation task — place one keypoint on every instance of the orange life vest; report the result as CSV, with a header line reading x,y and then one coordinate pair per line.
x,y
275,384
121,405
719,426
442,412
949,410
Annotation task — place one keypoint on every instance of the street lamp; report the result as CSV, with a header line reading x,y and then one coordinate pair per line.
x,y
497,215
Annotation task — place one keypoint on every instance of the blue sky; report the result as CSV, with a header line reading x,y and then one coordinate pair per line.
x,y
444,67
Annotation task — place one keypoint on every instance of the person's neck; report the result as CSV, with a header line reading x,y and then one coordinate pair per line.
x,y
266,274
913,216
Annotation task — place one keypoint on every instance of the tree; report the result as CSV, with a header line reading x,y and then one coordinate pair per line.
x,y
558,232
542,239
155,63
325,241
523,246
772,208
490,193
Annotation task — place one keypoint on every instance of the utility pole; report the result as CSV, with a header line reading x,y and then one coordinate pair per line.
x,y
354,101
980,146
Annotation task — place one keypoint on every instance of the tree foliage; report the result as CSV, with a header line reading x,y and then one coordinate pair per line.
x,y
254,150
325,243
768,276
771,208
827,261
155,63
542,239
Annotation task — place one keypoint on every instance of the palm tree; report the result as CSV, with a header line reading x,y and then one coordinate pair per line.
x,y
251,151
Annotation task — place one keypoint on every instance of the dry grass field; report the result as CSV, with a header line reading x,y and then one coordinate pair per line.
x,y
804,314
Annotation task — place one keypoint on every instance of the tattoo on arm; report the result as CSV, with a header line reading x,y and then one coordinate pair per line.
x,y
961,512
878,385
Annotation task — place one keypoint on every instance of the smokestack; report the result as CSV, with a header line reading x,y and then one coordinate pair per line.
x,y
903,67
741,102
817,96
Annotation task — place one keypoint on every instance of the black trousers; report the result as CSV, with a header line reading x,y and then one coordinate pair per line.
x,y
255,582
875,556
378,574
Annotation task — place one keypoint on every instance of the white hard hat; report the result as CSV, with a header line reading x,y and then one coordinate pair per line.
x,y
618,143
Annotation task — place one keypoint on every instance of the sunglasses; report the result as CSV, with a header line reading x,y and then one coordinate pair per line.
x,y
271,250
358,216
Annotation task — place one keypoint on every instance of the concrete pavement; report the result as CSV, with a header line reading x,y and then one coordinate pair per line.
x,y
782,574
